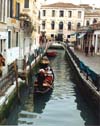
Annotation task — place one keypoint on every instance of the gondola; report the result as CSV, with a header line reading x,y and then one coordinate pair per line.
x,y
44,77
51,53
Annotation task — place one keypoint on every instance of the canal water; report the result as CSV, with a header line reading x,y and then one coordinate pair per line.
x,y
64,106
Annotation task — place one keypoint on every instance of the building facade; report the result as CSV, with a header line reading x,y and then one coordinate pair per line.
x,y
59,20
9,29
29,11
19,28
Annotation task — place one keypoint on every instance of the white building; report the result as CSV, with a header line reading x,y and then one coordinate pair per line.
x,y
59,20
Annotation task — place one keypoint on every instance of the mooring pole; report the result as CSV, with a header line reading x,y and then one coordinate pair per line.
x,y
25,71
16,78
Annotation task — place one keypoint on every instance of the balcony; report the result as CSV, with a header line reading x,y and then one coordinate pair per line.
x,y
26,24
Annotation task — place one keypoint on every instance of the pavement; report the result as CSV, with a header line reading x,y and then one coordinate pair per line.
x,y
93,62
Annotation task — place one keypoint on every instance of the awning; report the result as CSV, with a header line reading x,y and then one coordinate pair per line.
x,y
75,33
81,35
72,37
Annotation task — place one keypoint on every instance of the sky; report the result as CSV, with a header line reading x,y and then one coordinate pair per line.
x,y
91,2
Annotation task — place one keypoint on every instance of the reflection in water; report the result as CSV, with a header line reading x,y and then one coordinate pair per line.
x,y
62,107
85,111
65,102
40,101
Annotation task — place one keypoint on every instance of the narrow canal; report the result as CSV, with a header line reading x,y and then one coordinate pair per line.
x,y
62,107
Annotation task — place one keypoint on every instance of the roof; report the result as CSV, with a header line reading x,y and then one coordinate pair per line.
x,y
86,6
62,4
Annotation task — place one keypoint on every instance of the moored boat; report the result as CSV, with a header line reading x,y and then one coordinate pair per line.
x,y
51,53
44,78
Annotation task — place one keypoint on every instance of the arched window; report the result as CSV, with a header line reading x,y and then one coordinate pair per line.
x,y
69,25
60,25
87,23
78,25
52,25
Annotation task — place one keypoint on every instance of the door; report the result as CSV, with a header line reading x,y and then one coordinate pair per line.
x,y
60,37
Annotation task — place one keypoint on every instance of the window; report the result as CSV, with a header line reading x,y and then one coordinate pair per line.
x,y
9,39
53,13
60,37
69,25
61,13
11,8
1,43
16,39
69,14
79,14
8,8
44,12
52,25
78,25
52,35
61,26
4,11
87,23
43,24
26,3
17,10
39,15
39,29
1,2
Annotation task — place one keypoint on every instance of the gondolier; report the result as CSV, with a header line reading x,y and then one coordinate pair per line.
x,y
45,78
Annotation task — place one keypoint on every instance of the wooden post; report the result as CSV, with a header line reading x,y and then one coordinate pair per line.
x,y
25,63
30,73
16,78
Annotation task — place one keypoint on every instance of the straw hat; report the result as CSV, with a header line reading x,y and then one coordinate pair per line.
x,y
45,60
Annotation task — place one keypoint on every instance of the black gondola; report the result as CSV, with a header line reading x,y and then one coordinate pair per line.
x,y
44,78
